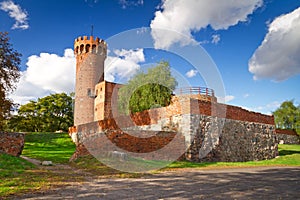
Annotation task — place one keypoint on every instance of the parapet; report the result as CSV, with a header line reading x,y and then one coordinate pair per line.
x,y
90,44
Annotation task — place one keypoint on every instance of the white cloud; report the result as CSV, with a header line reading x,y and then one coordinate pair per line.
x,y
246,95
184,18
268,108
15,12
124,64
216,39
50,73
128,3
278,57
45,74
225,99
191,73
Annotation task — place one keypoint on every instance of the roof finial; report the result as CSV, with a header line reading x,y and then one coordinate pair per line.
x,y
92,30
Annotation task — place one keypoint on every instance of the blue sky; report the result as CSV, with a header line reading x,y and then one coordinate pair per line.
x,y
253,43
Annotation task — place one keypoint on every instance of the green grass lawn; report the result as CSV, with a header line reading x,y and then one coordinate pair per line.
x,y
289,155
18,176
56,147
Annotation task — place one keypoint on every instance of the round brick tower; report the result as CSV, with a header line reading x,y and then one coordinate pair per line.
x,y
90,55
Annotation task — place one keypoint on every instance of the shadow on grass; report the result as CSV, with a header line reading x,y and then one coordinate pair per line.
x,y
288,152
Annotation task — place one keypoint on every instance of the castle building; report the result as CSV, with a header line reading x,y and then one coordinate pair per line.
x,y
92,92
93,95
208,130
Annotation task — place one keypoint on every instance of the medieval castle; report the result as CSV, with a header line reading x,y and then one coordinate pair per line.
x,y
222,132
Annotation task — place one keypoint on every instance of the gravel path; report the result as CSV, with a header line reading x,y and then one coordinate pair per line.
x,y
237,183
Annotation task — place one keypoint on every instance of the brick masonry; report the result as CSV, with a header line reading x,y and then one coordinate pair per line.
x,y
12,143
207,131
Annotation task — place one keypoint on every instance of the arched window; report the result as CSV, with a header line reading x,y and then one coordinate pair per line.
x,y
94,48
87,48
81,48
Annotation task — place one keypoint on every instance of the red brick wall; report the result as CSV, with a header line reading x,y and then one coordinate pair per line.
x,y
286,132
233,112
194,106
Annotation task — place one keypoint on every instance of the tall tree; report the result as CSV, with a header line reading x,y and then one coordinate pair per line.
x,y
287,116
9,74
48,114
147,90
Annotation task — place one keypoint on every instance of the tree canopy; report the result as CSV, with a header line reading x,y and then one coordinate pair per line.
x,y
147,90
9,74
287,116
48,114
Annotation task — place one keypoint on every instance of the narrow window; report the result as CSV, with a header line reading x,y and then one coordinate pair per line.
x,y
81,48
87,48
94,49
89,92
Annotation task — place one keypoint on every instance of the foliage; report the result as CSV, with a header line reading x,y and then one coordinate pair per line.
x,y
57,147
9,74
287,116
48,114
147,90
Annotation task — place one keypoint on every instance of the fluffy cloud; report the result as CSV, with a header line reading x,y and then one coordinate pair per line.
x,y
278,57
191,73
226,99
123,64
128,3
15,12
45,74
50,73
184,18
216,39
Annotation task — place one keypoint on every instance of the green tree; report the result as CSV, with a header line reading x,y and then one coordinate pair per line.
x,y
48,114
287,116
147,90
9,75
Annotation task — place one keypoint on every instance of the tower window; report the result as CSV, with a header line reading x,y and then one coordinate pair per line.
x,y
94,49
76,50
81,48
87,48
89,92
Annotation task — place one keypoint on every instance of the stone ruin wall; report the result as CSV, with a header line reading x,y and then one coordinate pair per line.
x,y
12,143
207,131
287,136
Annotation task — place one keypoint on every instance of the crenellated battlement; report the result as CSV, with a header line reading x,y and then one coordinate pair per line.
x,y
90,44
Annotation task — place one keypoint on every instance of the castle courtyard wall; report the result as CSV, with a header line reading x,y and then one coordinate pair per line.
x,y
287,136
209,132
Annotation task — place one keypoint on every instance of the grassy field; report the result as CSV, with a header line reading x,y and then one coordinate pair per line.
x,y
56,147
19,176
289,155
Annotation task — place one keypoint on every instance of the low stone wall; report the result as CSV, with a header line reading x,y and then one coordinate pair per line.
x,y
12,143
231,140
200,138
99,137
287,136
206,131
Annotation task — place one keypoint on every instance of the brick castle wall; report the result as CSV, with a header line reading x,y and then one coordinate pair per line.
x,y
241,136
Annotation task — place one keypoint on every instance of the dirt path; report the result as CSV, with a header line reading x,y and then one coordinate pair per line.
x,y
238,183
